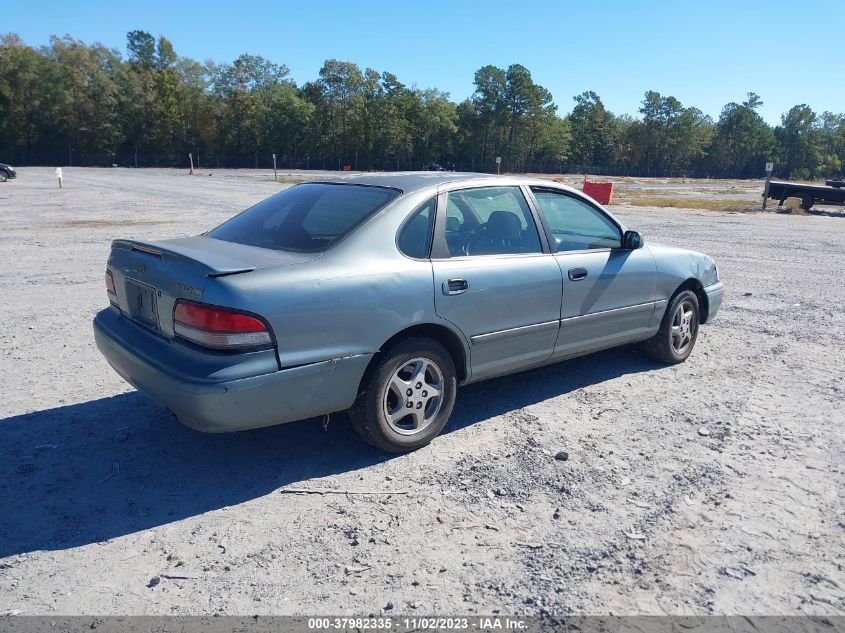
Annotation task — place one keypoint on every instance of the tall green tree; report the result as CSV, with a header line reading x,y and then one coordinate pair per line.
x,y
247,91
743,142
830,142
510,116
670,136
595,131
798,141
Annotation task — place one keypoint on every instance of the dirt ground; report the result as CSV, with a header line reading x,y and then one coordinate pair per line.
x,y
715,486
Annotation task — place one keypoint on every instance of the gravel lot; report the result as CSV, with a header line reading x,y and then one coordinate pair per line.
x,y
715,486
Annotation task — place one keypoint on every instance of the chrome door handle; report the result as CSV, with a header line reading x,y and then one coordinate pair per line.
x,y
455,286
577,274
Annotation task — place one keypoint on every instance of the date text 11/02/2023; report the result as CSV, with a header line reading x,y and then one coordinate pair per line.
x,y
385,623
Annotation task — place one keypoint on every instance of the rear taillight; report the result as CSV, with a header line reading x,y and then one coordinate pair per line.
x,y
110,290
219,328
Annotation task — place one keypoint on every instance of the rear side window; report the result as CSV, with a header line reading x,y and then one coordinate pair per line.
x,y
415,236
307,218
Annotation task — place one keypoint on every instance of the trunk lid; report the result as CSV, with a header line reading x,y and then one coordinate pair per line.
x,y
150,276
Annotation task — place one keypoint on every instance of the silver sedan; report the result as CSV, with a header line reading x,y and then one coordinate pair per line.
x,y
382,294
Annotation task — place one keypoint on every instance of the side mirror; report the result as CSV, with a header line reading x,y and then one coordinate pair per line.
x,y
631,241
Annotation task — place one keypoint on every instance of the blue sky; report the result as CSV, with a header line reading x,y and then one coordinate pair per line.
x,y
704,53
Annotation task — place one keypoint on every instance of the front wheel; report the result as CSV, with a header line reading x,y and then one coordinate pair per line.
x,y
407,398
678,331
3,176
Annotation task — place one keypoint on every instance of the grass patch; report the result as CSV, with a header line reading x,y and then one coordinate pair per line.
x,y
688,203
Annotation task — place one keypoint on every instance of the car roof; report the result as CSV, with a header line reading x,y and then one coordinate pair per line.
x,y
412,181
408,182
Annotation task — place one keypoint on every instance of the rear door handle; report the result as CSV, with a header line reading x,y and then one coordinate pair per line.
x,y
577,274
455,286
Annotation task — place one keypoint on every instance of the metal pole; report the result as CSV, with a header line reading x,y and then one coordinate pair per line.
x,y
766,186
275,176
766,192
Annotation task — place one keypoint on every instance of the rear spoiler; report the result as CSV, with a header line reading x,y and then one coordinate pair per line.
x,y
203,261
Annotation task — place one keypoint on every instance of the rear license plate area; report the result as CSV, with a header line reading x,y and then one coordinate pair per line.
x,y
142,304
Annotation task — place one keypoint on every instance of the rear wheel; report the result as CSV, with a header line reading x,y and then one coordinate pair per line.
x,y
678,331
407,397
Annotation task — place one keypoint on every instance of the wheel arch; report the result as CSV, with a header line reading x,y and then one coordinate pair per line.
x,y
703,304
448,338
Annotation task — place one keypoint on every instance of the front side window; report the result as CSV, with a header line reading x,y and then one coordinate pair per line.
x,y
575,225
310,217
490,221
415,236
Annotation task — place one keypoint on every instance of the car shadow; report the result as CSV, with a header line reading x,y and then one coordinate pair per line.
x,y
89,472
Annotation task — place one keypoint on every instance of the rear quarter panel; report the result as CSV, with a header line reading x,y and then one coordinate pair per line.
x,y
348,302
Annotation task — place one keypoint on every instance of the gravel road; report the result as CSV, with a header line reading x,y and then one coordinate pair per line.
x,y
715,486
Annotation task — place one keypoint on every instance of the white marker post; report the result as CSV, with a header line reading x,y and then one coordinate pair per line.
x,y
498,164
191,158
59,176
769,168
275,177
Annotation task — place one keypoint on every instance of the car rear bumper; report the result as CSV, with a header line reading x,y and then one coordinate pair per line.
x,y
216,396
714,299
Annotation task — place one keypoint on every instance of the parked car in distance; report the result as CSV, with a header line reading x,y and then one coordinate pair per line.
x,y
7,172
432,167
381,294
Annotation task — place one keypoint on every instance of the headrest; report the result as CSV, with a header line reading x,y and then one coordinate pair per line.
x,y
504,225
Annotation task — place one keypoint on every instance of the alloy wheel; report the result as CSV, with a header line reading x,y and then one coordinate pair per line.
x,y
684,327
413,396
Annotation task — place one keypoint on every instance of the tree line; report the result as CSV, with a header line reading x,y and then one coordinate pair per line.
x,y
73,103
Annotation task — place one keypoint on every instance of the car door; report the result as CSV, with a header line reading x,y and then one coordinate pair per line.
x,y
608,291
494,281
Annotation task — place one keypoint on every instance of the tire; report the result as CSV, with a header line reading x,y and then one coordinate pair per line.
x,y
678,331
407,373
3,176
806,201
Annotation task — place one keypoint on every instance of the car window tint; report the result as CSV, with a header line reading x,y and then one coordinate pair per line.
x,y
310,217
503,223
415,237
576,225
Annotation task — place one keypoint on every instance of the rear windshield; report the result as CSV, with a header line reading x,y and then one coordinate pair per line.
x,y
306,218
